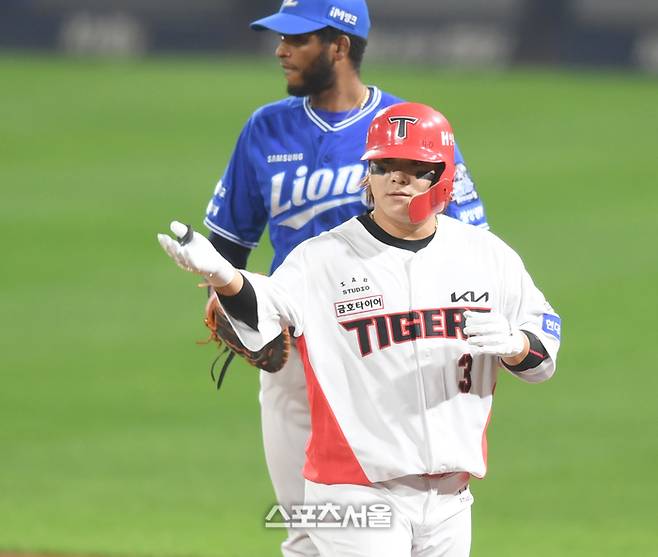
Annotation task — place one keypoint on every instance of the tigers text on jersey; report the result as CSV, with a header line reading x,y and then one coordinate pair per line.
x,y
393,386
298,169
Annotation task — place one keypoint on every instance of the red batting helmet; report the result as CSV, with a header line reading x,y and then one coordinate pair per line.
x,y
417,132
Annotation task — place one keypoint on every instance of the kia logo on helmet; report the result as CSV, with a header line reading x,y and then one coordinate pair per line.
x,y
402,122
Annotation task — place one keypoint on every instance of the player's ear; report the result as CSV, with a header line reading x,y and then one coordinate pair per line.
x,y
342,45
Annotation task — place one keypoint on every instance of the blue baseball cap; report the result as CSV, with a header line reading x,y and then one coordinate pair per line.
x,y
303,16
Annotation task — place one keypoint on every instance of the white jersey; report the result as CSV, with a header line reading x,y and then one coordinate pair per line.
x,y
394,388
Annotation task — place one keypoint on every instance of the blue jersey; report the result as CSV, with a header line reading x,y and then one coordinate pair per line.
x,y
298,170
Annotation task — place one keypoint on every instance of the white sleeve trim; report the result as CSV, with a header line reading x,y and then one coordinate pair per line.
x,y
228,235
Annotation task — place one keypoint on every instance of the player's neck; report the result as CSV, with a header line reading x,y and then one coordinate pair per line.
x,y
345,95
404,231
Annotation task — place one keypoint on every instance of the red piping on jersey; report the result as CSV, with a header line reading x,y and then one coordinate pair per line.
x,y
329,457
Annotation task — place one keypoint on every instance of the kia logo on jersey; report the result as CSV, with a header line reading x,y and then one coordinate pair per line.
x,y
469,296
402,122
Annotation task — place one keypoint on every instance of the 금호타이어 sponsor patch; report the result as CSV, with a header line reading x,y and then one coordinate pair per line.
x,y
552,324
359,305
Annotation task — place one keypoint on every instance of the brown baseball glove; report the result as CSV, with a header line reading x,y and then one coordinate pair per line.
x,y
272,357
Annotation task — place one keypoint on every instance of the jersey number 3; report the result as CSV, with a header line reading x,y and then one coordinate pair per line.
x,y
466,361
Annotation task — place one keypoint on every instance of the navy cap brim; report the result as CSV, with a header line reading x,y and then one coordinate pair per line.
x,y
286,24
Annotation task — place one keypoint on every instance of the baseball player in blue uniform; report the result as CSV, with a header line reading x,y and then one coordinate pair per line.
x,y
296,169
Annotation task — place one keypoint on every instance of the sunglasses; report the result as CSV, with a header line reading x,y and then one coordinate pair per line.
x,y
380,169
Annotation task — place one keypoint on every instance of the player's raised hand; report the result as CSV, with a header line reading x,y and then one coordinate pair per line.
x,y
194,253
491,333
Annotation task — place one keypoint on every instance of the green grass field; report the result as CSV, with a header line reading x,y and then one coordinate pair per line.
x,y
112,438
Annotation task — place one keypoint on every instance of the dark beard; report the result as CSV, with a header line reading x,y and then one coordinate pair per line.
x,y
318,77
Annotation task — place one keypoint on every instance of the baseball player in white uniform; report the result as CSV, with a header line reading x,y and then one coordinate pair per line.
x,y
403,319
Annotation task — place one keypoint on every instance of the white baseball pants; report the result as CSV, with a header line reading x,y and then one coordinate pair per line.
x,y
431,517
286,424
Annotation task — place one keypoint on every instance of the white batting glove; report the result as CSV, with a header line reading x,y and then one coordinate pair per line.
x,y
194,253
493,334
